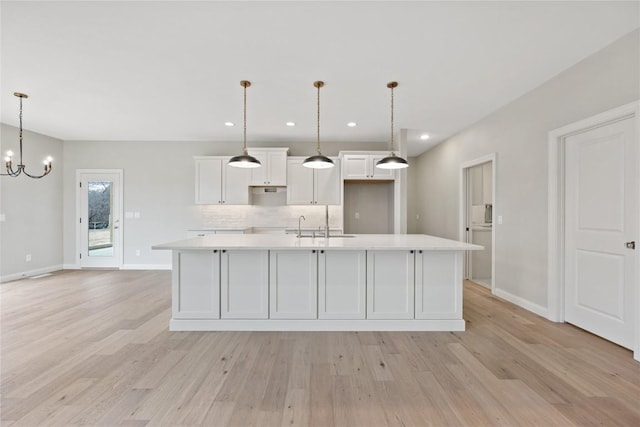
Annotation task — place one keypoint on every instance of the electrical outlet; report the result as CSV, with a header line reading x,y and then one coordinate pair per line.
x,y
128,215
137,252
357,215
28,258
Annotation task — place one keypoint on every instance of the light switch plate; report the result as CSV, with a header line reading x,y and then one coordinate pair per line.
x,y
499,219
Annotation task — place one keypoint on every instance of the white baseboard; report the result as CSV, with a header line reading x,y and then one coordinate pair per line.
x,y
29,273
315,325
71,266
521,302
146,267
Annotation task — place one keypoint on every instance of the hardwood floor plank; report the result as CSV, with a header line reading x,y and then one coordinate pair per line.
x,y
93,348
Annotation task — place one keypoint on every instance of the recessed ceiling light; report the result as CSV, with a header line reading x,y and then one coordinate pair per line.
x,y
351,124
424,136
290,124
228,124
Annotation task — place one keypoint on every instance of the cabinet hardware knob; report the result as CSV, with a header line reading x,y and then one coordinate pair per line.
x,y
630,245
215,251
224,251
322,251
420,251
313,251
411,251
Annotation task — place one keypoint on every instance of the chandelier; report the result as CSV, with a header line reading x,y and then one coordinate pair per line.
x,y
21,168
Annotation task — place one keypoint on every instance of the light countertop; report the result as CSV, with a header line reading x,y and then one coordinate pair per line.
x,y
358,242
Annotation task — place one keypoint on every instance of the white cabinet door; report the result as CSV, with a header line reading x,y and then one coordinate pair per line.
x,y
342,284
356,166
196,285
274,167
236,185
487,183
327,185
438,285
378,173
208,181
244,277
390,284
363,166
277,168
299,183
293,284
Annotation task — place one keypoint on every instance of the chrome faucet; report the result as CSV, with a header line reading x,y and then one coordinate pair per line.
x,y
300,229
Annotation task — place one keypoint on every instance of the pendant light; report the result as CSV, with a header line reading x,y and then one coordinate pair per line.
x,y
318,161
244,160
8,160
392,161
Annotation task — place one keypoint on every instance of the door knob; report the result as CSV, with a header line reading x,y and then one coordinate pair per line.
x,y
630,245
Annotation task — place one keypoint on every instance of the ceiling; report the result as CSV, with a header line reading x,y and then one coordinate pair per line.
x,y
172,70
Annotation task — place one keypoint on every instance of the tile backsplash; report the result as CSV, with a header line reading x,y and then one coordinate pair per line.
x,y
213,216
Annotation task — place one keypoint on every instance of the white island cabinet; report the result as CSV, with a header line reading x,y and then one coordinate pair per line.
x,y
280,282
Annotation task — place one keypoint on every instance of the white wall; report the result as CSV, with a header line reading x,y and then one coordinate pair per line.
x,y
32,207
159,183
518,134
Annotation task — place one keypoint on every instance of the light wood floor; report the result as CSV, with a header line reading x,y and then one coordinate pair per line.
x,y
93,348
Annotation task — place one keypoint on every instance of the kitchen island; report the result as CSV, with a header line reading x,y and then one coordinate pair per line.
x,y
390,282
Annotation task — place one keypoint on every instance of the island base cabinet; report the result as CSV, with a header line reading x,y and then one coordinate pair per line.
x,y
293,284
244,284
438,285
342,284
390,284
196,285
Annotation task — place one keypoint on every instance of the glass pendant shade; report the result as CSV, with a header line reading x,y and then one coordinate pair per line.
x,y
244,160
392,162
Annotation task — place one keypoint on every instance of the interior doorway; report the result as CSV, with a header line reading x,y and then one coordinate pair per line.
x,y
99,204
593,225
477,210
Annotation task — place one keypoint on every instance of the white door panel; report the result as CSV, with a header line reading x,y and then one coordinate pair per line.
x,y
600,201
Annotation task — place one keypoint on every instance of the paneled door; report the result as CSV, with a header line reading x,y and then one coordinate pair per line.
x,y
600,227
99,221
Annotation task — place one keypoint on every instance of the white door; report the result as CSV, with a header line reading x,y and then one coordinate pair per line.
x,y
99,222
600,201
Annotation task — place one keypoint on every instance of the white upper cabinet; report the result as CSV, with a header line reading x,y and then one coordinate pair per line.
x,y
274,167
307,186
217,183
363,166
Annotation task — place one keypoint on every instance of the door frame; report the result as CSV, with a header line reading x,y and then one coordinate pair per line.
x,y
120,232
556,209
465,204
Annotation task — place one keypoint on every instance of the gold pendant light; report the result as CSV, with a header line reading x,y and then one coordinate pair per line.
x,y
244,160
318,161
8,160
392,161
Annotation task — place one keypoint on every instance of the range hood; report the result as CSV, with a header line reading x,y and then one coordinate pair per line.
x,y
268,196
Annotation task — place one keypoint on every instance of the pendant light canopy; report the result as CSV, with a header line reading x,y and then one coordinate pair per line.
x,y
318,161
8,160
244,160
392,161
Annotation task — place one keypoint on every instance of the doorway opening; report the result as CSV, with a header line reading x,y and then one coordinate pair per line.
x,y
99,211
477,210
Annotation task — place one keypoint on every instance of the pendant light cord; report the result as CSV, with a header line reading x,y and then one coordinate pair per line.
x,y
20,137
318,85
244,118
392,85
